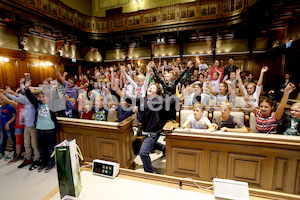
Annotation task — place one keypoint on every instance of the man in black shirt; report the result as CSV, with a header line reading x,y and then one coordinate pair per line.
x,y
230,68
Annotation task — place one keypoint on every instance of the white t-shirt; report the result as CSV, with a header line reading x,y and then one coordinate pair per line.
x,y
202,66
255,96
214,84
139,89
220,98
128,90
203,123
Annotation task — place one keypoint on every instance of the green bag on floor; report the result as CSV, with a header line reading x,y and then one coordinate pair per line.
x,y
68,169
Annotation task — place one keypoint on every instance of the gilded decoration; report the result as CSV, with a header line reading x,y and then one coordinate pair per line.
x,y
171,14
49,7
84,23
133,20
101,25
31,2
226,6
67,15
208,9
150,17
168,14
118,23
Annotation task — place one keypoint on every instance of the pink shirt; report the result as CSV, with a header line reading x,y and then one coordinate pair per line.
x,y
214,69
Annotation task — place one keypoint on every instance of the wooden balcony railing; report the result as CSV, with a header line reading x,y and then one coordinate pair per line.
x,y
168,15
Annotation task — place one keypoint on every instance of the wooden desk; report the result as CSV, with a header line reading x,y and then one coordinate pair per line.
x,y
110,141
270,162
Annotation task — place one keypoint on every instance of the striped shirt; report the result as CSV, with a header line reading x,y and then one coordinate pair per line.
x,y
266,125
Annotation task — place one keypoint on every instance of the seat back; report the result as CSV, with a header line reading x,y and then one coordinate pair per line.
x,y
212,102
252,122
239,101
185,113
112,115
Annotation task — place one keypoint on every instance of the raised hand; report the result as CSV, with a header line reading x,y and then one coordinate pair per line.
x,y
228,82
111,69
54,84
122,68
238,71
264,69
289,88
106,90
8,90
18,90
27,84
22,80
65,73
190,64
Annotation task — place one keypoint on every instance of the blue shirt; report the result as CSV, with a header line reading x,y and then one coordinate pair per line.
x,y
7,112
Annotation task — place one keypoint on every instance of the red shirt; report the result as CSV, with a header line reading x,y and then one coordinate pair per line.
x,y
20,120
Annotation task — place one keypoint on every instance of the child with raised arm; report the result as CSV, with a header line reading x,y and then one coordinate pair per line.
x,y
71,89
46,127
211,87
7,116
100,111
193,97
227,122
197,120
266,119
70,111
30,134
253,91
169,86
140,86
19,126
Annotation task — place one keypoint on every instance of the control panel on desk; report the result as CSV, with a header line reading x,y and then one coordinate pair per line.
x,y
105,168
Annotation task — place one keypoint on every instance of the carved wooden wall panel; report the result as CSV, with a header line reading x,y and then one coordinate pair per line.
x,y
248,168
297,185
107,149
280,170
187,160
